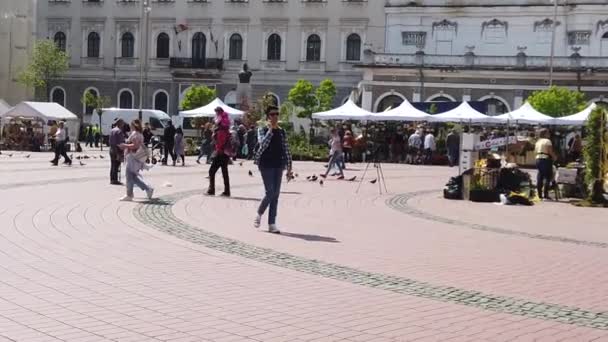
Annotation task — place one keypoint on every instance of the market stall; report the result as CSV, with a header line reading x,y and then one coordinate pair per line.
x,y
405,112
348,111
525,114
28,125
464,113
577,119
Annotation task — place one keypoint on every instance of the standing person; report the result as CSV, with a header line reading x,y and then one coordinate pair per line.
x,y
453,146
336,154
147,133
575,148
97,134
89,136
272,158
347,146
205,149
169,141
545,156
429,147
179,145
135,158
222,152
415,144
117,137
61,137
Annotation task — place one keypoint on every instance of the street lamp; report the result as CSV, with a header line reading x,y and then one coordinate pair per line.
x,y
143,52
553,42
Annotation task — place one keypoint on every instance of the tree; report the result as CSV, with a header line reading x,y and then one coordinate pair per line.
x,y
558,101
303,95
197,96
326,92
594,154
47,63
98,103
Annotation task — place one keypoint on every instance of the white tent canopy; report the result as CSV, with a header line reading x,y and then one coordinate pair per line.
x,y
405,112
463,113
209,110
348,111
4,107
525,114
45,111
577,119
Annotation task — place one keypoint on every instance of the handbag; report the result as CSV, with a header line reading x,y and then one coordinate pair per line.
x,y
142,154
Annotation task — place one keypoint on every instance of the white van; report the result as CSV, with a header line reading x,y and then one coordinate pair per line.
x,y
157,119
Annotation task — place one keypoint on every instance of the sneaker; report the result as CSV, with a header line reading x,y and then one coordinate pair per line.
x,y
341,177
225,194
210,193
126,198
198,161
257,221
150,192
323,176
273,229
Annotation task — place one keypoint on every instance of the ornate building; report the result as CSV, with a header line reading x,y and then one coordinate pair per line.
x,y
497,52
188,42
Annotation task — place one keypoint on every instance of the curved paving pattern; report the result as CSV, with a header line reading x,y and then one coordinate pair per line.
x,y
400,203
158,215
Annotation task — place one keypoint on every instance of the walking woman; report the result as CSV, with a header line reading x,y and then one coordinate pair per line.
x,y
222,153
135,158
545,156
178,150
272,158
336,155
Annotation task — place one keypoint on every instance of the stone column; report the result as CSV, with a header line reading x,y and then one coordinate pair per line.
x,y
366,97
416,96
466,95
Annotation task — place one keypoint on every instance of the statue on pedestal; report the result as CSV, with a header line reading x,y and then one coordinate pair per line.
x,y
243,89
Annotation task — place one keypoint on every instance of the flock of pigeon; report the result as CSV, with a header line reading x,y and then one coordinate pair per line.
x,y
79,158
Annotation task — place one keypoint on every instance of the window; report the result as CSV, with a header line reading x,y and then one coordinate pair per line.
x,y
236,47
579,37
58,96
155,123
199,46
162,45
389,102
413,38
313,48
353,47
125,99
495,106
60,41
440,98
88,109
93,42
127,43
274,47
604,45
161,101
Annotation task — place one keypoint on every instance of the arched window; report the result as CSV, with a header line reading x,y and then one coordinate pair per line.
x,y
353,47
125,99
127,43
313,48
495,106
162,45
274,47
60,41
605,36
236,47
161,101
88,109
199,49
389,102
440,98
58,96
93,42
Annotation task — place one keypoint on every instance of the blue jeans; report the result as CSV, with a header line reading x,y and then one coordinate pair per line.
x,y
336,159
272,184
135,178
544,177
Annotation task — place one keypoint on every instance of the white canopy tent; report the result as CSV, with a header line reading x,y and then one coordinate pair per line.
x,y
577,119
4,107
348,111
464,113
208,111
525,114
45,112
405,112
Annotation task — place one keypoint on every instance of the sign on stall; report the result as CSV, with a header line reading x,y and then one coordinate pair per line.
x,y
488,144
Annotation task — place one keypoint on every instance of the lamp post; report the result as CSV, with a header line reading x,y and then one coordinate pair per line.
x,y
143,52
553,42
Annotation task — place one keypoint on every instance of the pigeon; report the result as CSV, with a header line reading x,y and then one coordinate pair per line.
x,y
101,157
297,175
352,179
82,164
85,157
373,181
308,178
250,173
314,178
94,157
241,164
10,155
77,157
321,182
29,155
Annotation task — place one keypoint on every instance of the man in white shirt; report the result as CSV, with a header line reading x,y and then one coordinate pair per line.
x,y
429,147
61,137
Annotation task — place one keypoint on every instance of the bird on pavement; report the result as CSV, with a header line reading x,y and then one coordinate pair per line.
x,y
321,182
297,175
250,173
241,164
101,157
85,157
373,181
29,155
314,178
82,164
10,155
78,157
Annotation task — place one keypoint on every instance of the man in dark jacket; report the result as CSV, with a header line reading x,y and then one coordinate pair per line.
x,y
169,141
117,137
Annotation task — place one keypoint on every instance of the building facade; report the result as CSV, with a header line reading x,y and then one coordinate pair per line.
x,y
497,52
181,43
17,34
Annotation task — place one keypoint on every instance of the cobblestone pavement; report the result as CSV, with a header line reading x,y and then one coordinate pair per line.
x,y
77,265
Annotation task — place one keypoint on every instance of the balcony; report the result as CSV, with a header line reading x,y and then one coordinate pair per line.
x,y
193,63
519,62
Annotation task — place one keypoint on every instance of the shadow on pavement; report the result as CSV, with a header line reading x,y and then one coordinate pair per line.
x,y
309,237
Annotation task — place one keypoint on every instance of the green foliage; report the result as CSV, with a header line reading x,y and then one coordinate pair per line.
x,y
301,148
47,63
558,101
95,102
326,91
432,108
197,96
303,95
594,143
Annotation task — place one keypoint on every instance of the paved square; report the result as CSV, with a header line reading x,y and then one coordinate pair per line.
x,y
78,265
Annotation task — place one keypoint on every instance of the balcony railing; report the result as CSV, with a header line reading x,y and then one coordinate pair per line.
x,y
487,62
195,63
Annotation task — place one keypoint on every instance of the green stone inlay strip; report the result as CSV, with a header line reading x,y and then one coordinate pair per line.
x,y
399,203
158,215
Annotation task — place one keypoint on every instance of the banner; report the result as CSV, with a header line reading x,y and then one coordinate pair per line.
x,y
488,144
